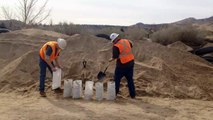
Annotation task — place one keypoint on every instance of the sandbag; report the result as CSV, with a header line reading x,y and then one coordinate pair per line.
x,y
56,81
111,90
88,93
68,88
99,91
77,89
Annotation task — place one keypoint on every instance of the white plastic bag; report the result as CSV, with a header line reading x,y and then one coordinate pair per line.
x,y
56,82
88,93
77,89
68,88
99,90
111,90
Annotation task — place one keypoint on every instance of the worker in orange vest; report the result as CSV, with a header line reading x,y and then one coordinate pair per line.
x,y
122,52
48,54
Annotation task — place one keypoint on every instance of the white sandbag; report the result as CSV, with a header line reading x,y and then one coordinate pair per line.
x,y
68,88
56,82
111,90
77,89
88,93
99,90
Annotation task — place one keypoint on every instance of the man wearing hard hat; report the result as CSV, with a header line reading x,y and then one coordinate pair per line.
x,y
48,54
122,52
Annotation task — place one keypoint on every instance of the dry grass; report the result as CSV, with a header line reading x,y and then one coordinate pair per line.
x,y
135,33
186,34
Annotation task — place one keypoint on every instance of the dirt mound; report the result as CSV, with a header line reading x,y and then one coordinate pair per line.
x,y
208,45
159,70
34,37
21,72
11,51
180,46
95,51
41,33
171,71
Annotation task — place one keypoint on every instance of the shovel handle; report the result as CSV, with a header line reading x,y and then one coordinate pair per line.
x,y
84,63
106,68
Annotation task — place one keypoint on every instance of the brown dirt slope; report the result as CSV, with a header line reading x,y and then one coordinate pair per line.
x,y
180,46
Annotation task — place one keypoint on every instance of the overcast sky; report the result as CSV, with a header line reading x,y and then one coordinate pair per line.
x,y
124,12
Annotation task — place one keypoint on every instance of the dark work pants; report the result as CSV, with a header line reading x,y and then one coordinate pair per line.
x,y
128,73
43,65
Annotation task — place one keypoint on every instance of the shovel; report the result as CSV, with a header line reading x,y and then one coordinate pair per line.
x,y
101,74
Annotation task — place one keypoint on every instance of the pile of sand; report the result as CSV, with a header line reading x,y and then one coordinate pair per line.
x,y
22,71
34,37
38,32
180,46
208,45
159,70
171,72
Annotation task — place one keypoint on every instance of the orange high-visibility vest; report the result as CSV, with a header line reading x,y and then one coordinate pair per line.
x,y
53,45
125,50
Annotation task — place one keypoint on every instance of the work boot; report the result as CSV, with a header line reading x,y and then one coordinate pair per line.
x,y
133,97
43,94
58,90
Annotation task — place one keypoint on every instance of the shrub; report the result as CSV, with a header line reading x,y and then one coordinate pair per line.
x,y
69,29
135,33
186,34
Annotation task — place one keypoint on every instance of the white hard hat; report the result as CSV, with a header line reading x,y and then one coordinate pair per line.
x,y
61,43
113,36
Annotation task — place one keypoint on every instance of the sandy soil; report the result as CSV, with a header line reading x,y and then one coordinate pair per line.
x,y
17,107
159,72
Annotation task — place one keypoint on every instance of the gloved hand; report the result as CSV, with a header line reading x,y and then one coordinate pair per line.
x,y
111,59
59,66
53,69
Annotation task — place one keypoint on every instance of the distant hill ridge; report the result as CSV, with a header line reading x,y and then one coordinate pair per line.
x,y
194,20
189,20
15,25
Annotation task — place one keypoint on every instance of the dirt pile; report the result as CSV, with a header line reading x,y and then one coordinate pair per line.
x,y
171,72
159,70
22,71
40,33
180,46
34,37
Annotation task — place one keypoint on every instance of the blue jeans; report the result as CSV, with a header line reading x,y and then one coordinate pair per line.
x,y
128,73
43,65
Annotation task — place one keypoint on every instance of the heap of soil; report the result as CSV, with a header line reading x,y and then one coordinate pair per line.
x,y
159,70
180,46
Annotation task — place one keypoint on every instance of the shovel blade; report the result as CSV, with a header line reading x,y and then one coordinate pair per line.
x,y
101,75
